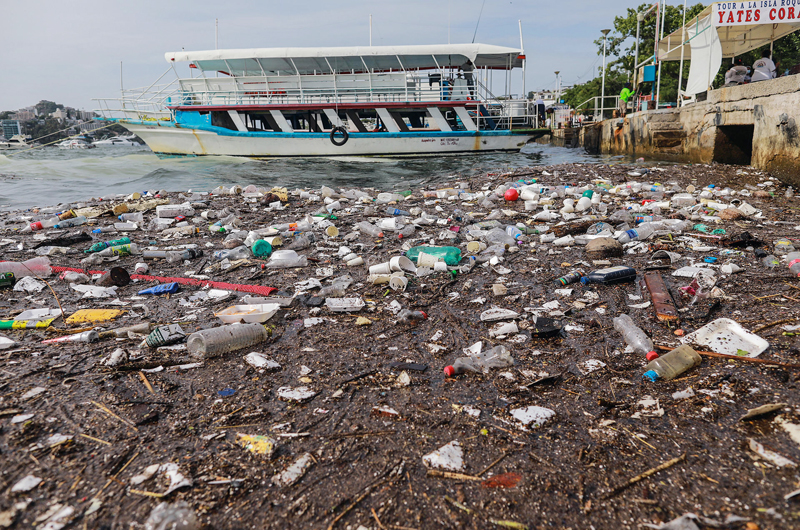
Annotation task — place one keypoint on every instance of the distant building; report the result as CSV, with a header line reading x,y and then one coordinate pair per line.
x,y
60,114
26,114
10,128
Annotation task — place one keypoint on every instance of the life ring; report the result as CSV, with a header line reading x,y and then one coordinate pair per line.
x,y
345,135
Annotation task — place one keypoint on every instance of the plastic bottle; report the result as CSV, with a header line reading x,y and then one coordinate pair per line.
x,y
672,364
611,275
497,357
183,230
370,229
770,262
407,231
102,245
68,223
302,241
86,336
572,277
126,226
284,259
214,342
33,267
396,212
498,236
407,316
634,336
240,252
783,246
164,288
516,233
793,259
137,217
129,249
41,225
176,516
642,232
174,210
177,256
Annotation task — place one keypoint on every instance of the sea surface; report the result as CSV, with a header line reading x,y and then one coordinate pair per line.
x,y
50,176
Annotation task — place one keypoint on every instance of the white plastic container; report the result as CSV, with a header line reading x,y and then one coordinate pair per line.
x,y
344,305
251,313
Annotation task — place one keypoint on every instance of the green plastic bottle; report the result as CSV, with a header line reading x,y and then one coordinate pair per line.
x,y
97,247
450,255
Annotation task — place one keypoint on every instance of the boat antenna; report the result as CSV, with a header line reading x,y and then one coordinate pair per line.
x,y
479,21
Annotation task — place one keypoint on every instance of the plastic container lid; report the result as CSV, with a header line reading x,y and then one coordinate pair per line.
x,y
261,248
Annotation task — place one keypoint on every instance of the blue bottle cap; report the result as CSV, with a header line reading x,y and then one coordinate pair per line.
x,y
584,280
97,231
651,376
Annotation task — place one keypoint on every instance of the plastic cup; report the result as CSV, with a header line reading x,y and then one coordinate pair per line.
x,y
401,263
440,266
398,283
378,279
343,251
349,257
381,268
476,246
426,260
355,262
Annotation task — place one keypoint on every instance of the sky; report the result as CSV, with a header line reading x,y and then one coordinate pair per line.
x,y
70,52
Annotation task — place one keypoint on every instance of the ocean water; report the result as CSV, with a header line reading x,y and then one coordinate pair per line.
x,y
50,176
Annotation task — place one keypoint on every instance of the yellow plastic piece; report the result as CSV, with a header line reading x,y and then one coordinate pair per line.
x,y
257,444
93,315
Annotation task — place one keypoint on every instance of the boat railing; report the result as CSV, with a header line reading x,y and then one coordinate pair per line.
x,y
155,102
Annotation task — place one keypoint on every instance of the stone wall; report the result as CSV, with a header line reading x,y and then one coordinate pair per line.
x,y
752,124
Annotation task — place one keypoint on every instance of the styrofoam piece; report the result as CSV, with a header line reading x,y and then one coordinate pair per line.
x,y
256,360
38,314
533,416
299,394
770,456
251,313
343,305
689,272
727,337
449,457
498,313
26,484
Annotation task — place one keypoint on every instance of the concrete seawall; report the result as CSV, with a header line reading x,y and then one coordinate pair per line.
x,y
753,124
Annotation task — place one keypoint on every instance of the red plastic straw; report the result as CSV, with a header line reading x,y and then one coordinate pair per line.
x,y
256,289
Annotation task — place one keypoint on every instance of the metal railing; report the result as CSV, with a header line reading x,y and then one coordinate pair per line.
x,y
599,108
153,102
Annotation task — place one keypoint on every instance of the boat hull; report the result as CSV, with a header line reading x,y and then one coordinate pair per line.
x,y
169,139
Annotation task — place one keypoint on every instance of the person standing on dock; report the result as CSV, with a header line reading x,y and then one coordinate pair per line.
x,y
624,96
764,68
468,68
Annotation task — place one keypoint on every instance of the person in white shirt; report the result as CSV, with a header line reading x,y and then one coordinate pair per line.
x,y
736,75
468,68
764,68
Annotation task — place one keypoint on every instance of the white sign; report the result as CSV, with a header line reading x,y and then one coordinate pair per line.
x,y
756,12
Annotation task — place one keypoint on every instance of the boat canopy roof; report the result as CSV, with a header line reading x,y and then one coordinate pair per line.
x,y
292,61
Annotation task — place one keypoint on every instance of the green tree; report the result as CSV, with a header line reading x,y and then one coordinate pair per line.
x,y
44,107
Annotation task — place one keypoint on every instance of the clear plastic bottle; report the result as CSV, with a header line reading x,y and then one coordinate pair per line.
x,y
370,229
240,252
516,233
214,342
407,231
302,241
177,256
68,223
673,364
41,225
497,357
498,236
396,212
137,217
176,516
783,246
793,259
770,262
633,335
642,232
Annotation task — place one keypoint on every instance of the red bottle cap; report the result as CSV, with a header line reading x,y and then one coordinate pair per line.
x,y
424,314
449,371
511,195
651,356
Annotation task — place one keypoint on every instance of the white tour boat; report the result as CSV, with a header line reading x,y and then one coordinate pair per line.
x,y
355,101
75,143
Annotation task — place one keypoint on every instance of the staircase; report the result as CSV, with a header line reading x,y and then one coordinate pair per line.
x,y
666,131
